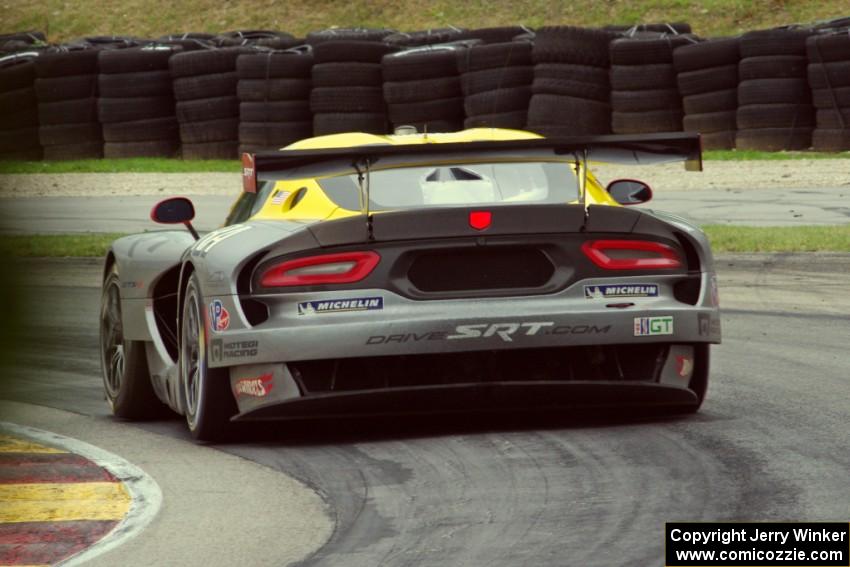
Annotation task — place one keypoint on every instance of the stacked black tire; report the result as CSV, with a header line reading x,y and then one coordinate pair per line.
x,y
502,34
496,81
707,74
348,93
570,92
18,111
829,78
274,99
422,89
424,37
66,87
136,103
644,93
774,101
207,108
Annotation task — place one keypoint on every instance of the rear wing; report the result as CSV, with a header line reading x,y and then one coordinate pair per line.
x,y
638,150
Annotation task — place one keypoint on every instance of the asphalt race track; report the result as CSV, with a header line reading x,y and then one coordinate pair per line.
x,y
771,442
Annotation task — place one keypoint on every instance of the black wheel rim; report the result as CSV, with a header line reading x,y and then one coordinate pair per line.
x,y
192,357
112,341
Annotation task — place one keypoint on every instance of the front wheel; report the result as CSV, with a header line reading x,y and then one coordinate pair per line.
x,y
124,366
209,403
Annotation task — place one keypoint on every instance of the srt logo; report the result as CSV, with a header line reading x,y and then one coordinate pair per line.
x,y
501,330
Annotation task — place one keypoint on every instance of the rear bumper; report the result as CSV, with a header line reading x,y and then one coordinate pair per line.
x,y
462,398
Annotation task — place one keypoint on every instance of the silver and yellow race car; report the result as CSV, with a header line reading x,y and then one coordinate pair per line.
x,y
364,274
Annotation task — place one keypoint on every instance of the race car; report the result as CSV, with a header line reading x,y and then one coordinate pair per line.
x,y
361,274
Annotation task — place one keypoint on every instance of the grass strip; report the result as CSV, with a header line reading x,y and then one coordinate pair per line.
x,y
129,165
724,238
57,245
807,238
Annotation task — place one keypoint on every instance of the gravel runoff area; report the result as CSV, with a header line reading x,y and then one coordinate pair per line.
x,y
731,175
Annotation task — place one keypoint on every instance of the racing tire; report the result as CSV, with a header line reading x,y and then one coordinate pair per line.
x,y
336,122
274,66
772,67
774,42
646,122
338,51
351,99
64,88
18,138
829,140
276,111
418,91
205,62
712,53
64,64
643,101
347,74
774,139
826,48
584,116
831,98
829,75
578,89
441,108
629,51
60,152
415,66
498,101
205,131
570,44
135,59
149,148
68,111
422,37
207,108
714,101
709,122
274,134
17,75
210,150
708,79
643,77
111,110
571,72
834,119
259,90
208,401
20,119
718,140
480,81
124,85
123,363
494,56
157,129
13,101
205,86
773,91
67,134
515,120
754,116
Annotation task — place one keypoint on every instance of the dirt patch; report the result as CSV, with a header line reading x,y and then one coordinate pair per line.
x,y
786,174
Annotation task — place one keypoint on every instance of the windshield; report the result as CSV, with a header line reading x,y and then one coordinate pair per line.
x,y
457,185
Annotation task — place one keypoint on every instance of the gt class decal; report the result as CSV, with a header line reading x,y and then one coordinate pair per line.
x,y
652,326
610,291
219,316
254,387
340,305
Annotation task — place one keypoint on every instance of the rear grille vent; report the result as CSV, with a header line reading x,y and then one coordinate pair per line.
x,y
480,269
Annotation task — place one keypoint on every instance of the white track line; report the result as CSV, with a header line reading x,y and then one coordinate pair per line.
x,y
144,491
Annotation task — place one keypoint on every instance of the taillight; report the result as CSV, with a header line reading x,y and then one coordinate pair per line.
x,y
345,267
631,255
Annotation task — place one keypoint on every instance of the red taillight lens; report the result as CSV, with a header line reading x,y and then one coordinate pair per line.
x,y
345,267
631,255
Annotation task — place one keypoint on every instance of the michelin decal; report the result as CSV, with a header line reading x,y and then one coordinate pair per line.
x,y
340,305
612,291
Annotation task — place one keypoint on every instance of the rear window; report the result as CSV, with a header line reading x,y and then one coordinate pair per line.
x,y
457,185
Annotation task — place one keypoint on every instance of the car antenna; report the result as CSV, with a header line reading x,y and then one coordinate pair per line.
x,y
363,183
581,171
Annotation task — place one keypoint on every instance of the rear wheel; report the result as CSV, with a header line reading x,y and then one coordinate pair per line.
x,y
126,380
208,401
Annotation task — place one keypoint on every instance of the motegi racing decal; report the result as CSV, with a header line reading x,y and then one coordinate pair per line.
x,y
650,326
340,305
610,291
221,350
503,331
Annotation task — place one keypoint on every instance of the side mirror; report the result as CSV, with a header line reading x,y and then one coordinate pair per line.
x,y
177,210
629,191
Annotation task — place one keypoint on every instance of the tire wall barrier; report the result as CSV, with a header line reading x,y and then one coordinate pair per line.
x,y
204,96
